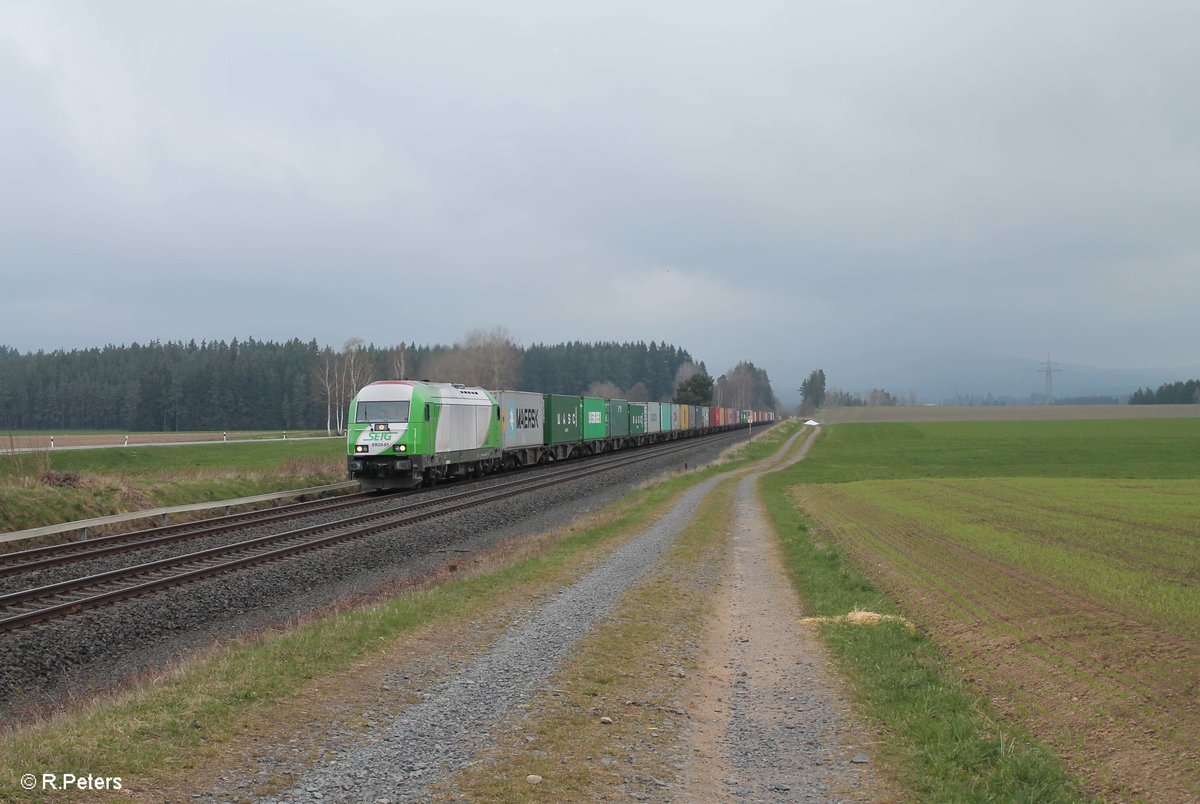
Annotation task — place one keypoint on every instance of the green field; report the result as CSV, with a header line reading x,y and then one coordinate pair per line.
x,y
213,434
1049,565
994,413
1138,448
45,487
153,460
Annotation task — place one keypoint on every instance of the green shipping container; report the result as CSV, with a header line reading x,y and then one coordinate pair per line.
x,y
595,418
665,407
562,419
618,417
637,418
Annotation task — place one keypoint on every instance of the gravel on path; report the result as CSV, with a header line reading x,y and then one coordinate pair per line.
x,y
771,721
434,738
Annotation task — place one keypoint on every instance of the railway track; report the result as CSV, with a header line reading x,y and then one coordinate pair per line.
x,y
33,559
65,598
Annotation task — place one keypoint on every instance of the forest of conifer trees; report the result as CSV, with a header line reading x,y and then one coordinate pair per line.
x,y
301,385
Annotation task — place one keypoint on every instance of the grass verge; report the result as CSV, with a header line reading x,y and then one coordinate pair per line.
x,y
152,735
944,740
40,489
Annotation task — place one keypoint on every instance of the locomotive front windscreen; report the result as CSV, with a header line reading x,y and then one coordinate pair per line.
x,y
371,412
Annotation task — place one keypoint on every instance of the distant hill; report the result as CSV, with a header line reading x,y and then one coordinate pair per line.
x,y
948,377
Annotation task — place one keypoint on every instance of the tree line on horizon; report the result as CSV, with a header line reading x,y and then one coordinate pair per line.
x,y
815,395
1186,392
302,385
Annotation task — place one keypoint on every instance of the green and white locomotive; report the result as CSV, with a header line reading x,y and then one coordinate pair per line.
x,y
404,433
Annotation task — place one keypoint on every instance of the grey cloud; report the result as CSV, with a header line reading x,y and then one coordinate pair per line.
x,y
815,178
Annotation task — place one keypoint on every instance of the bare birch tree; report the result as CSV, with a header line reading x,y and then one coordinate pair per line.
x,y
327,382
399,361
487,358
353,372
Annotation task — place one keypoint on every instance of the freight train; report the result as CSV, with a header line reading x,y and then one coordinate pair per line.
x,y
404,433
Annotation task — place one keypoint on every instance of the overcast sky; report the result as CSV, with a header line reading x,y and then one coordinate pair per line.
x,y
800,184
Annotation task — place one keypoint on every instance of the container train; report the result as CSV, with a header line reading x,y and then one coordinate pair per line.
x,y
404,433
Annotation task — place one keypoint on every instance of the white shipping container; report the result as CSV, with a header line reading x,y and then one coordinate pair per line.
x,y
653,419
522,419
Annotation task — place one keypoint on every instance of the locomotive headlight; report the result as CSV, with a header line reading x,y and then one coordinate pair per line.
x,y
402,448
361,448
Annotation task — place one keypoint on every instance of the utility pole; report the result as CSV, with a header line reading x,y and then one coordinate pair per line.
x,y
1049,372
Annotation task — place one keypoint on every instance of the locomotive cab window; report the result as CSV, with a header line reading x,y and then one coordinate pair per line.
x,y
371,412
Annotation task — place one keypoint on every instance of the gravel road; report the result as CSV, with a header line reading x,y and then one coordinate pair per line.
x,y
771,721
436,737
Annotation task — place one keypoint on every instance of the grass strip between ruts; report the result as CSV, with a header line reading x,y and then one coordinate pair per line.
x,y
159,729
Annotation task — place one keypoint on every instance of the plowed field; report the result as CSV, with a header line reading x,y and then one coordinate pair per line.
x,y
1074,604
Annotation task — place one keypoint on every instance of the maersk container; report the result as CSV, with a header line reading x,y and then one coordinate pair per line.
x,y
665,417
618,418
637,418
595,418
522,420
563,420
653,417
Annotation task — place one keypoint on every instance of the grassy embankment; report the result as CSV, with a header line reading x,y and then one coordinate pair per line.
x,y
176,727
40,488
1050,568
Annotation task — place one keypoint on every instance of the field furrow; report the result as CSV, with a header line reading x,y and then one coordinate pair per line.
x,y
1112,690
